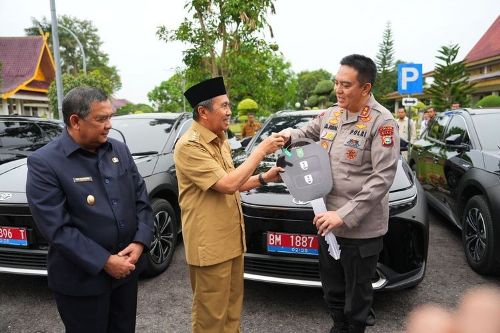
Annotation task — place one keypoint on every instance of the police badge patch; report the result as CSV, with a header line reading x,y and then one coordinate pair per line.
x,y
386,135
351,154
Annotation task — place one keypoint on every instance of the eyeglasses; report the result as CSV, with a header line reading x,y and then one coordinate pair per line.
x,y
101,119
226,106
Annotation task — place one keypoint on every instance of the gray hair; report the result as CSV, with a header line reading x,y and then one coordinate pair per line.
x,y
78,100
207,104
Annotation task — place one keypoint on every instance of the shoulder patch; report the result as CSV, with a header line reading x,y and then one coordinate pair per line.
x,y
194,136
386,135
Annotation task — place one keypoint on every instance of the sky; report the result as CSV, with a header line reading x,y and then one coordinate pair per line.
x,y
311,34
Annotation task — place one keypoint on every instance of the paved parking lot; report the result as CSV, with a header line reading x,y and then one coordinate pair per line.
x,y
26,305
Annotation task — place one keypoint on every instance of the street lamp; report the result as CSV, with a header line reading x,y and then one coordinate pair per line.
x,y
79,44
297,105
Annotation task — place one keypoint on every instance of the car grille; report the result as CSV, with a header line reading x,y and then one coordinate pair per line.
x,y
294,268
20,216
21,258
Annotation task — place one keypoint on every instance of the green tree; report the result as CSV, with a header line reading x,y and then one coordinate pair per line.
x,y
216,28
264,76
488,102
71,54
225,38
246,106
323,91
134,108
307,81
451,80
386,81
168,96
93,79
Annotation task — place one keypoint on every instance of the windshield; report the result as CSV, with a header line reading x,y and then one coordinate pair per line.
x,y
20,134
281,122
142,134
489,135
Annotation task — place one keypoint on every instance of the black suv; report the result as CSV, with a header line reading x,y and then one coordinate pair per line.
x,y
150,138
457,160
281,239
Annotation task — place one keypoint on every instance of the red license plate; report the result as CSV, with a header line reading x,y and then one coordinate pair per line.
x,y
13,236
292,243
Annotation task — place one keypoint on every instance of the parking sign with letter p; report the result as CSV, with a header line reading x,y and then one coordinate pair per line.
x,y
410,78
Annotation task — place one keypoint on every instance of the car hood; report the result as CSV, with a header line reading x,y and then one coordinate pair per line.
x,y
492,161
13,180
13,176
277,194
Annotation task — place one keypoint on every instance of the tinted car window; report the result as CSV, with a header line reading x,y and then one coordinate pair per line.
x,y
457,126
488,133
15,134
437,127
142,134
51,131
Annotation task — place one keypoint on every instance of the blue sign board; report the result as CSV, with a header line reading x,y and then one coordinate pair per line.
x,y
410,78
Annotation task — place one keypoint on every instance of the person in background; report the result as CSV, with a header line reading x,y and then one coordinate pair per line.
x,y
406,125
429,115
251,126
90,203
209,198
455,106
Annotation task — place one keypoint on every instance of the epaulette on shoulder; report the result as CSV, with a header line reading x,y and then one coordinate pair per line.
x,y
194,136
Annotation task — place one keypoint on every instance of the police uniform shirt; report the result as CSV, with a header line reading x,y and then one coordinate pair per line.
x,y
212,222
88,206
364,152
403,129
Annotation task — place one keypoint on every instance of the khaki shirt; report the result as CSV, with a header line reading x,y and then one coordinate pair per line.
x,y
250,129
403,130
364,152
212,222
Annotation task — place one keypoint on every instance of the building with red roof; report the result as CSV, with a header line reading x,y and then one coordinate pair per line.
x,y
483,63
27,71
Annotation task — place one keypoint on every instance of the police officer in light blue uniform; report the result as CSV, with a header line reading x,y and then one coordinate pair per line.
x,y
89,201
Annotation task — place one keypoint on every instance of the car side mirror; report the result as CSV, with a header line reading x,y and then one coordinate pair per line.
x,y
454,142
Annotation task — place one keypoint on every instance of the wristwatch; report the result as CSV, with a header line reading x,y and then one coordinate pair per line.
x,y
261,179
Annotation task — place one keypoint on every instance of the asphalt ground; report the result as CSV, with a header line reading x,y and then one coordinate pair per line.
x,y
164,303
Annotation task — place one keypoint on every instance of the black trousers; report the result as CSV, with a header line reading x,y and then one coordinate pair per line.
x,y
111,312
346,282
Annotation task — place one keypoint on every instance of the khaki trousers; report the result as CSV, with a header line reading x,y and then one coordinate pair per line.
x,y
217,296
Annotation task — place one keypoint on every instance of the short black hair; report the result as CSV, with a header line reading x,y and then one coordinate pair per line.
x,y
367,70
78,100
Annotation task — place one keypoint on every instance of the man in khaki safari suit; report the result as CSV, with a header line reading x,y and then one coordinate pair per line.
x,y
209,197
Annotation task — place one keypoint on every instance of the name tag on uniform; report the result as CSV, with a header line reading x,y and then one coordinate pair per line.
x,y
82,179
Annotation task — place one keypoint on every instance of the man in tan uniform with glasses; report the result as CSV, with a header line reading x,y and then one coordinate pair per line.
x,y
209,197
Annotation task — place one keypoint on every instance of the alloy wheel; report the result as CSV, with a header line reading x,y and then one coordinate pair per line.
x,y
163,237
475,234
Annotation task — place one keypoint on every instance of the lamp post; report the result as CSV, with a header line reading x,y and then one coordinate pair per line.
x,y
79,44
55,44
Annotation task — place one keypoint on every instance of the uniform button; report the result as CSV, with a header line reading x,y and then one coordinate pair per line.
x,y
114,202
106,181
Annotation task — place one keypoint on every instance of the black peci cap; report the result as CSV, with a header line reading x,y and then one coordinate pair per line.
x,y
205,90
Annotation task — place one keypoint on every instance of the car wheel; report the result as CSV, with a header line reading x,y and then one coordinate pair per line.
x,y
478,236
165,237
